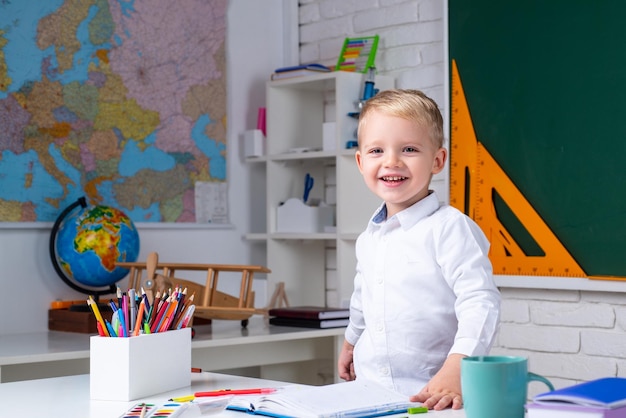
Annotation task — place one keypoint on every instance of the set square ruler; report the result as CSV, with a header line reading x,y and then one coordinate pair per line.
x,y
475,179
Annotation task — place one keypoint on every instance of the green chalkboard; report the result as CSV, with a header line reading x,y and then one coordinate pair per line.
x,y
545,83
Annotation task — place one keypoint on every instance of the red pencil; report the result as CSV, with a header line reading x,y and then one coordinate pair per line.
x,y
234,392
154,308
169,316
159,316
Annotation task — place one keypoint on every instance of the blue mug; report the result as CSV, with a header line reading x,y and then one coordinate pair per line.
x,y
496,386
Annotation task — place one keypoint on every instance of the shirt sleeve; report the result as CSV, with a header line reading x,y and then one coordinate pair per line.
x,y
463,254
357,322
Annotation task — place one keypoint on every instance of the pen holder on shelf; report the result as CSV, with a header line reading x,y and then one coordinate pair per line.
x,y
125,369
254,143
295,216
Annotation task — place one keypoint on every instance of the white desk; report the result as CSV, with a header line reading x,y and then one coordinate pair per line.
x,y
221,346
68,397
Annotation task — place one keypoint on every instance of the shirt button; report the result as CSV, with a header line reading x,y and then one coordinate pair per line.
x,y
384,371
380,327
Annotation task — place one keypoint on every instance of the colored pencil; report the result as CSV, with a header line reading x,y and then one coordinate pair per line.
x,y
96,311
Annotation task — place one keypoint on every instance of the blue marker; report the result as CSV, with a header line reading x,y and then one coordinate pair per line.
x,y
308,185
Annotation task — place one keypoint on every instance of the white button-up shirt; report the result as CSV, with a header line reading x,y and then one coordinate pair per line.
x,y
423,290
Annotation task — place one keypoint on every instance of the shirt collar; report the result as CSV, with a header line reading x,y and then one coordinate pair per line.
x,y
411,215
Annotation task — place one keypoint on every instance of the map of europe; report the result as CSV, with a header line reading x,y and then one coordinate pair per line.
x,y
120,101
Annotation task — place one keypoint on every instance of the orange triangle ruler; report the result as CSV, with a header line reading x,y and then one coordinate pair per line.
x,y
474,177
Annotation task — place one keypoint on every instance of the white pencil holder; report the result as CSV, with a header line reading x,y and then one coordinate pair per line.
x,y
125,369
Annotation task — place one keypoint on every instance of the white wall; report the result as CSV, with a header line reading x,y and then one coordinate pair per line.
x,y
570,329
258,42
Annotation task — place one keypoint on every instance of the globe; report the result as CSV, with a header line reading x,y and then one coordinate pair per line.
x,y
87,241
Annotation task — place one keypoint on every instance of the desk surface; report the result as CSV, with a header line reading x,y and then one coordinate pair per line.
x,y
56,345
69,397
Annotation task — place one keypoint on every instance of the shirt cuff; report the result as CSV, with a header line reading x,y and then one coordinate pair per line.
x,y
352,334
468,347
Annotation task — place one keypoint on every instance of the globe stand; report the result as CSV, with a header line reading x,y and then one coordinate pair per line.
x,y
96,293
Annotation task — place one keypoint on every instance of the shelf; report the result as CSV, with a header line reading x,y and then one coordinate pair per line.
x,y
297,110
323,81
256,159
347,152
308,155
256,236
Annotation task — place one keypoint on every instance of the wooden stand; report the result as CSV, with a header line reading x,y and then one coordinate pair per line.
x,y
279,297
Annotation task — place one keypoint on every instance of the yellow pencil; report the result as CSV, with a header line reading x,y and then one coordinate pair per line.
x,y
96,312
183,399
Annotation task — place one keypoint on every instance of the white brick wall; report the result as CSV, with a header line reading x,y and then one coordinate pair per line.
x,y
567,335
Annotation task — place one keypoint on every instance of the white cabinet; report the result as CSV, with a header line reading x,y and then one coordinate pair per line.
x,y
316,267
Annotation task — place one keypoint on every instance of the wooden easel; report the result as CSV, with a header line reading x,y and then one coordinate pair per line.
x,y
279,297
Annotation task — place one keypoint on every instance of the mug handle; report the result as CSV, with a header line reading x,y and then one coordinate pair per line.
x,y
537,378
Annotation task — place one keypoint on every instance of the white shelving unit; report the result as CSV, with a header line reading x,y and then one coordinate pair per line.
x,y
296,111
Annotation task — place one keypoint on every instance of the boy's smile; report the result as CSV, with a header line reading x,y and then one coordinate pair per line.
x,y
397,159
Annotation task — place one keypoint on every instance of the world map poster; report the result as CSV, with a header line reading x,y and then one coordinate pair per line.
x,y
123,102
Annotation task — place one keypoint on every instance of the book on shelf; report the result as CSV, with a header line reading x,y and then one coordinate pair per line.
x,y
600,398
310,312
310,323
358,398
299,70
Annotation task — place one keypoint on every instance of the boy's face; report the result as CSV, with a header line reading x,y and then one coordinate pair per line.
x,y
397,159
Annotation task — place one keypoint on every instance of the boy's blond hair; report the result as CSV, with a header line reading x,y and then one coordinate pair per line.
x,y
407,104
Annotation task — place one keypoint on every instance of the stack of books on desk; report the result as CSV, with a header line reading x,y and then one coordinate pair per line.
x,y
310,316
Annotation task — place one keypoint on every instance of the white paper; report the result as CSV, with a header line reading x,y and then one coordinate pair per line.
x,y
211,202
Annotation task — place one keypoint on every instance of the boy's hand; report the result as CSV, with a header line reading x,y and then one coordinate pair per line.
x,y
444,389
345,365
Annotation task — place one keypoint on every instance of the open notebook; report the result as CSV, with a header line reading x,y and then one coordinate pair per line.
x,y
359,398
